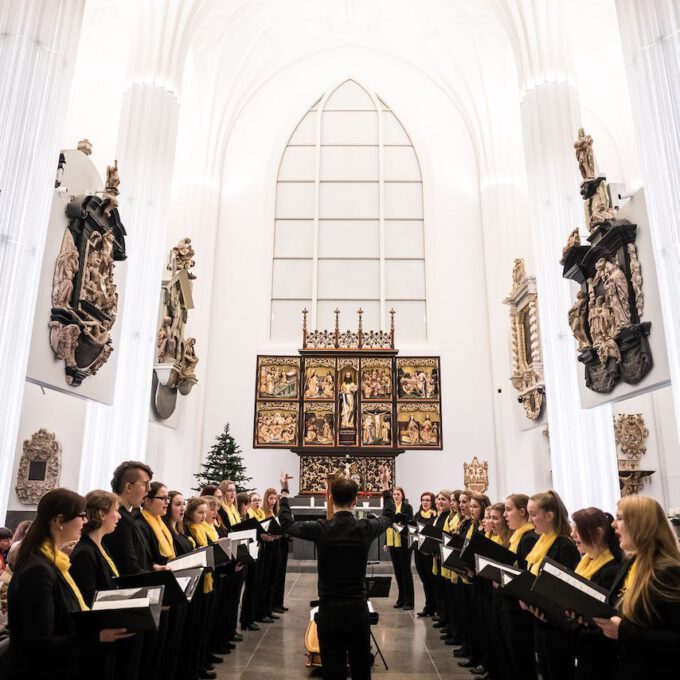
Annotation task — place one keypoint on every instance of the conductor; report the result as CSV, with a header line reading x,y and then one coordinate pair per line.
x,y
342,545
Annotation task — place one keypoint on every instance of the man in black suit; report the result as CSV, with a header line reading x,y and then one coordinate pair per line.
x,y
342,547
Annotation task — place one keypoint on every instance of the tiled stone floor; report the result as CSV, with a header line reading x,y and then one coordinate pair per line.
x,y
411,646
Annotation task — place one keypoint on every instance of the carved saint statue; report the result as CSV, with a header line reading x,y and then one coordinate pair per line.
x,y
636,279
64,340
601,213
574,241
616,291
183,254
64,271
111,188
599,318
189,360
584,154
165,342
347,391
577,320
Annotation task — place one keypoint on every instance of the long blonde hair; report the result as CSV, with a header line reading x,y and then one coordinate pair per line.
x,y
223,486
549,501
269,511
656,550
505,532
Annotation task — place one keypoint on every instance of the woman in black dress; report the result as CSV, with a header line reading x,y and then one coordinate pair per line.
x,y
426,515
400,554
648,627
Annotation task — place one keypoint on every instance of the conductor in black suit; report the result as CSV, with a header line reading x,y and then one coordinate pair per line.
x,y
342,545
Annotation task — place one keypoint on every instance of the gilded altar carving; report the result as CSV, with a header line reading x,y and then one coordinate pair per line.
x,y
39,467
176,359
476,475
527,362
605,319
314,470
84,292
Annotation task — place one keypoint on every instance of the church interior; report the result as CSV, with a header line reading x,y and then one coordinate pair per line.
x,y
440,237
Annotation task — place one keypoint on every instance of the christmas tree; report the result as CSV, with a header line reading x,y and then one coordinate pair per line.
x,y
224,461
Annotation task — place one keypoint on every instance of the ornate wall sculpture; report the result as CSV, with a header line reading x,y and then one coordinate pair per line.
x,y
605,318
314,470
84,294
631,435
39,467
527,361
476,475
175,367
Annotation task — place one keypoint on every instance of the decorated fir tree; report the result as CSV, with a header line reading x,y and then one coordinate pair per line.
x,y
224,461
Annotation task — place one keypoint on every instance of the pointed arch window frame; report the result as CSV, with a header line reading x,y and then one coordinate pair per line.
x,y
379,108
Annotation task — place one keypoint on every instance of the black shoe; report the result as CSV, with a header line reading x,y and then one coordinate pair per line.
x,y
478,670
207,675
440,624
461,653
265,619
451,642
399,605
250,626
470,663
223,649
280,610
423,614
215,659
274,616
236,637
407,607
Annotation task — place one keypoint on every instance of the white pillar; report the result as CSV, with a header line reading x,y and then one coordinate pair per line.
x,y
38,43
146,154
582,448
650,37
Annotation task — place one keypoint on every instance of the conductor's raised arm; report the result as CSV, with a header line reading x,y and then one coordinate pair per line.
x,y
307,530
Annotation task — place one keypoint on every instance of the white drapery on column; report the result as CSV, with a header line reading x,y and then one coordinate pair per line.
x,y
650,37
146,156
582,447
37,53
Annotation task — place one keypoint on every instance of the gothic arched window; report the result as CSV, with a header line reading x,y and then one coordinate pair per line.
x,y
349,229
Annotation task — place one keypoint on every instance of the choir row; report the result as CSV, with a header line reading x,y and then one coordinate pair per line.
x,y
77,546
634,556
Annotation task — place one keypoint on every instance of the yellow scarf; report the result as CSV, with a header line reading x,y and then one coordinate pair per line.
x,y
211,531
257,514
232,513
496,538
539,551
447,573
199,532
454,523
393,538
588,567
471,530
61,561
162,534
630,577
426,514
107,557
517,536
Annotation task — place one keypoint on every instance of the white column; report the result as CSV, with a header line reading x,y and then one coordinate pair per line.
x,y
650,37
146,154
582,447
38,43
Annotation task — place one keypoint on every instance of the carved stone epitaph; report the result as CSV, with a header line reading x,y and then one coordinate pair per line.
x,y
84,293
605,319
175,367
39,467
476,475
631,435
527,362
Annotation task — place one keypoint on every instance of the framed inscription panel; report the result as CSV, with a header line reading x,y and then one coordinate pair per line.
x,y
419,426
276,424
418,378
278,377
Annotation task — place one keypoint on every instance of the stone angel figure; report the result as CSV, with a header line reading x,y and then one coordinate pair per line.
x,y
584,155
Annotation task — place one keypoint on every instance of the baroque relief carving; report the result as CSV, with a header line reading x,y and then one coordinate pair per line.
x,y
39,467
84,293
605,318
175,370
476,475
631,435
314,470
527,362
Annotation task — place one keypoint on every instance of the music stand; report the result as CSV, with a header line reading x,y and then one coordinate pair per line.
x,y
377,586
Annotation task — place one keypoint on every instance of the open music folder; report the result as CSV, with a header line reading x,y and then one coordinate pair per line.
x,y
492,571
271,526
135,609
573,592
178,585
201,557
478,544
519,587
